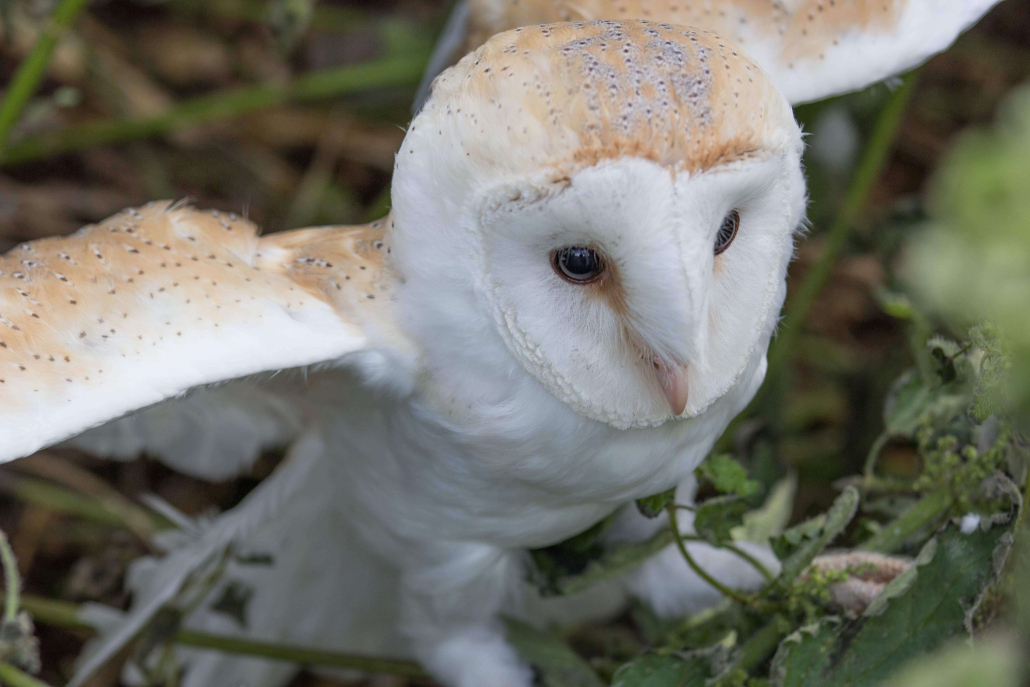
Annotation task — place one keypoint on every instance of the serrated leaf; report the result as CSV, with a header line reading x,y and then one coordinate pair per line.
x,y
786,543
768,521
653,506
727,476
952,365
865,651
911,403
656,670
715,519
837,518
557,665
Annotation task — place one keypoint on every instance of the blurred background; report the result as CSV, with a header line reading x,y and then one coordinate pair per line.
x,y
290,112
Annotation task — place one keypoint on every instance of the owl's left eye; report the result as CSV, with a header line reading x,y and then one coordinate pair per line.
x,y
578,264
727,232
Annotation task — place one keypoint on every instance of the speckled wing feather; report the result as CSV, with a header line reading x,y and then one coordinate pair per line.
x,y
156,301
812,49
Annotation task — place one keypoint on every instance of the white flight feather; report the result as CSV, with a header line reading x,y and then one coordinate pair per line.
x,y
263,503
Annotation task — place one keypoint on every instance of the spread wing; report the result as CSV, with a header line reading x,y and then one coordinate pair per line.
x,y
214,433
154,302
812,49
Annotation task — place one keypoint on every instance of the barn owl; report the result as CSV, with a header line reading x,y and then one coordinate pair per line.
x,y
811,49
571,298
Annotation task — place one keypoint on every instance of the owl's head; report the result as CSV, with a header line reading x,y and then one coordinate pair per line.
x,y
617,199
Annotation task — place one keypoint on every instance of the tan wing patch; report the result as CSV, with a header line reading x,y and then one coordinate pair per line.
x,y
801,29
154,301
346,266
64,299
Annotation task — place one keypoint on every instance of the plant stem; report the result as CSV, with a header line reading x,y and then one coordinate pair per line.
x,y
14,677
732,548
60,499
866,175
874,454
26,80
718,586
65,614
53,612
294,654
894,534
12,580
389,71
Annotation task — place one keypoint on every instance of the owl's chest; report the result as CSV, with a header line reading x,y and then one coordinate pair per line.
x,y
524,473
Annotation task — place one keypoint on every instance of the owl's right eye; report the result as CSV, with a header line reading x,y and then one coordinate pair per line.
x,y
578,264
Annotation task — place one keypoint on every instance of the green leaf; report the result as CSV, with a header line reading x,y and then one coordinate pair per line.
x,y
657,670
989,397
944,352
836,519
913,403
653,506
613,561
567,558
770,520
867,650
556,663
727,475
715,519
897,305
786,543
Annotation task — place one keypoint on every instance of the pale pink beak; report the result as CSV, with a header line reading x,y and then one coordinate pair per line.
x,y
674,384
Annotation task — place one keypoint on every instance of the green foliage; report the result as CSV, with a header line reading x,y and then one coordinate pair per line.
x,y
727,476
664,670
866,650
814,540
995,364
963,464
716,518
579,563
993,663
947,464
653,506
973,262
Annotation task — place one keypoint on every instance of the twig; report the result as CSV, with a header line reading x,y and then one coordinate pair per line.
x,y
718,586
866,175
65,614
15,677
398,70
26,80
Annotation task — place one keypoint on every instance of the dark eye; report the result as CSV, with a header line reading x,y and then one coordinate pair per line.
x,y
727,232
578,264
